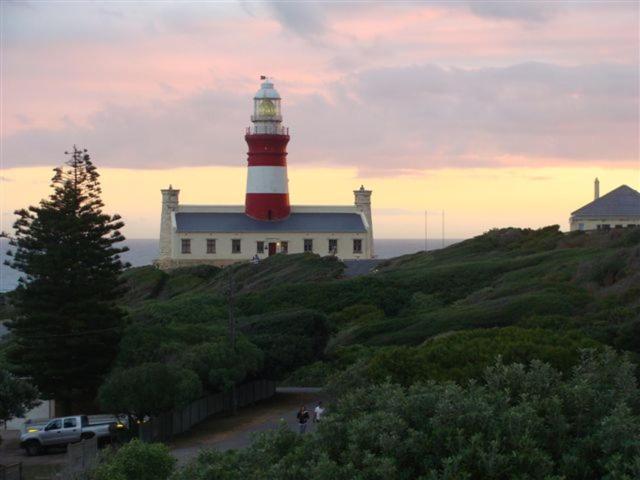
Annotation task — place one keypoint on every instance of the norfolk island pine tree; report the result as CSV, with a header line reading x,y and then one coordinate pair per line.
x,y
66,331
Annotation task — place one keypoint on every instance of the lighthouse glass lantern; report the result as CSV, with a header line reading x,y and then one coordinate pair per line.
x,y
267,108
267,117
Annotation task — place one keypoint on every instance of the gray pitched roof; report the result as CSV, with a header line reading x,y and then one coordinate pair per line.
x,y
623,201
319,222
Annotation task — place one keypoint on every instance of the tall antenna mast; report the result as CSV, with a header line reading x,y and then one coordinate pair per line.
x,y
425,231
442,228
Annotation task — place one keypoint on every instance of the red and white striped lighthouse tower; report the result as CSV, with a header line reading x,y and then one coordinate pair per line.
x,y
267,183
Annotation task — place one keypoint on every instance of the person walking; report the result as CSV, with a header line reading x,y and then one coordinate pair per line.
x,y
303,418
318,412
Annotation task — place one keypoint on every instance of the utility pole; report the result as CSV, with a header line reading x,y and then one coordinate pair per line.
x,y
425,231
442,228
232,335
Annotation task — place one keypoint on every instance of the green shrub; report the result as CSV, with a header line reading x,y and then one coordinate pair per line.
x,y
148,389
609,269
289,339
187,308
313,375
219,366
135,461
143,283
518,422
17,396
162,342
462,356
355,314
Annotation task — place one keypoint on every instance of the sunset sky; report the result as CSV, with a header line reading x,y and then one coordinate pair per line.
x,y
501,113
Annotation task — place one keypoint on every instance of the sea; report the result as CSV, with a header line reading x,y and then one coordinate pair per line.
x,y
142,251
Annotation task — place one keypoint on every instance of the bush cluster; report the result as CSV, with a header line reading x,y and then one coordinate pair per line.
x,y
517,422
134,461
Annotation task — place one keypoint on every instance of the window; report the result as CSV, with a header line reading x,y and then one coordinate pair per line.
x,y
581,226
284,247
55,425
333,245
235,246
618,226
211,245
260,247
357,245
186,245
308,245
606,226
69,423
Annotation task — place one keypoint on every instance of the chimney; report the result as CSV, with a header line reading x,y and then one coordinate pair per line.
x,y
170,204
363,203
596,189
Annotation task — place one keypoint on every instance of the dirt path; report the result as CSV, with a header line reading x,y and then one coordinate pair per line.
x,y
10,452
34,468
222,432
225,432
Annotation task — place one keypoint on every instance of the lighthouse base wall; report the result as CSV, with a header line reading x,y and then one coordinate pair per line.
x,y
267,206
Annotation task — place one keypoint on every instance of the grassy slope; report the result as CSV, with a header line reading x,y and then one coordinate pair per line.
x,y
149,283
501,278
507,276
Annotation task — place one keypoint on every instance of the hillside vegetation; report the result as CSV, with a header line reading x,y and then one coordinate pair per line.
x,y
509,355
149,283
518,293
444,315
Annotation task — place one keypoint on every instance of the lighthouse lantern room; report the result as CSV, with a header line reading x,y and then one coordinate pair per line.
x,y
267,117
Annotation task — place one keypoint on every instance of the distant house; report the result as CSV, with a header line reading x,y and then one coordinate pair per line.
x,y
620,208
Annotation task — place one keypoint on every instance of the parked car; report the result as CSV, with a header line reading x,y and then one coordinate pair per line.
x,y
62,431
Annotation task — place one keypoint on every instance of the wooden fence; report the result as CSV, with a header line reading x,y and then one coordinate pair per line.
x,y
163,427
80,457
11,472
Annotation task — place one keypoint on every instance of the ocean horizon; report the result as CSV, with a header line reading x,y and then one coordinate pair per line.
x,y
143,251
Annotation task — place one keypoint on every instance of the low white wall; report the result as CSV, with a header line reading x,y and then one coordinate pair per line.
x,y
249,243
592,223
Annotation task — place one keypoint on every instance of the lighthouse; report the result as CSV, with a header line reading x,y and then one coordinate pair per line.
x,y
266,224
267,196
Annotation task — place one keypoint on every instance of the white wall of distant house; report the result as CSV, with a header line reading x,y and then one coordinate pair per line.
x,y
596,223
44,411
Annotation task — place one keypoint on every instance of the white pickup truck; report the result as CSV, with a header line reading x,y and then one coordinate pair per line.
x,y
63,431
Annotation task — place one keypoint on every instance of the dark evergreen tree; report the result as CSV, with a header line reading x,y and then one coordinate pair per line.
x,y
68,324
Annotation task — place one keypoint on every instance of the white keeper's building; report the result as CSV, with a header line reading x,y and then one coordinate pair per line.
x,y
620,208
266,225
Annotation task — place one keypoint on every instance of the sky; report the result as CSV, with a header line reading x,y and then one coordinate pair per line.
x,y
500,113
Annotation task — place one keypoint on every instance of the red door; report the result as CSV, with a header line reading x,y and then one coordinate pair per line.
x,y
272,248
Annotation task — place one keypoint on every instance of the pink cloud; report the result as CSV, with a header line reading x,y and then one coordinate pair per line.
x,y
379,87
